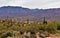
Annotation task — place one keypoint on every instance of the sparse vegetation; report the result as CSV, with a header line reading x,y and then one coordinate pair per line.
x,y
5,25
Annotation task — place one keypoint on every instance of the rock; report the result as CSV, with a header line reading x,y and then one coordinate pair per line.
x,y
42,35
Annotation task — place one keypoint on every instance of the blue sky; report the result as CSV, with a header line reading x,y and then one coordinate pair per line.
x,y
31,3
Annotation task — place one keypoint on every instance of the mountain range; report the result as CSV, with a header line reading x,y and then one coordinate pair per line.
x,y
22,13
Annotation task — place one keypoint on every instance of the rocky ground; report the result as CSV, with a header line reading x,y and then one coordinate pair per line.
x,y
53,36
34,35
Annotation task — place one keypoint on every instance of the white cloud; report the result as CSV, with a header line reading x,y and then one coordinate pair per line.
x,y
31,3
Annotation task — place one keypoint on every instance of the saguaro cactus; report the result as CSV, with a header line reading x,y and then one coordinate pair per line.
x,y
44,21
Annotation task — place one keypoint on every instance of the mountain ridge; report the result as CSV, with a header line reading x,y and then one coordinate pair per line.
x,y
36,14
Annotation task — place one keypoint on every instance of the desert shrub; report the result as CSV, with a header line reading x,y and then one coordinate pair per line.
x,y
7,34
26,27
43,27
3,36
58,25
52,27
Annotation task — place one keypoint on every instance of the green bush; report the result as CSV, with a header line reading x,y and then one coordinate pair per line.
x,y
9,34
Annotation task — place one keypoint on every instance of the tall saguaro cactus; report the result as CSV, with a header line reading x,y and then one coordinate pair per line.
x,y
27,21
44,21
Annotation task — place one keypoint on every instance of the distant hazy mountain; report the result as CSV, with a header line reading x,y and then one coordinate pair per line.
x,y
31,14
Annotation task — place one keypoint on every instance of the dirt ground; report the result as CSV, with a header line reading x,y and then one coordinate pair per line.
x,y
53,37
